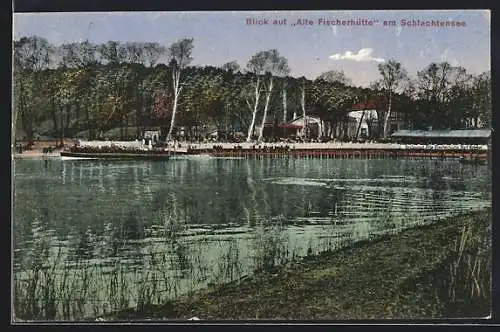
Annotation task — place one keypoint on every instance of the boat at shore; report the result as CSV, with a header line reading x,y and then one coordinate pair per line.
x,y
478,158
116,155
108,150
77,158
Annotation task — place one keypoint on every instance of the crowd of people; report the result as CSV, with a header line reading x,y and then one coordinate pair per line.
x,y
105,149
258,146
255,147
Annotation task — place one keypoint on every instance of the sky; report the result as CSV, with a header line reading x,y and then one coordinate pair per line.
x,y
311,49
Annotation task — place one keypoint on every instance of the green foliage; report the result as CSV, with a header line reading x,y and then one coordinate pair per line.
x,y
333,76
87,88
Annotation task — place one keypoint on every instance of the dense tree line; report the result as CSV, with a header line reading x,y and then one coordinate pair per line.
x,y
82,89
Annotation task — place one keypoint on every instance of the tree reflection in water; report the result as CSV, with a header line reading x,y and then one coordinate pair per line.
x,y
153,228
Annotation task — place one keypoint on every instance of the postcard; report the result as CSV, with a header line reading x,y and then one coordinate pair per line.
x,y
251,165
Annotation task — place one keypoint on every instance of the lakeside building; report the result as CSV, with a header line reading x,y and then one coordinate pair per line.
x,y
309,125
362,124
355,124
151,134
300,126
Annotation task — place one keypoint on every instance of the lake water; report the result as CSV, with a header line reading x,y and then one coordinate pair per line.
x,y
116,234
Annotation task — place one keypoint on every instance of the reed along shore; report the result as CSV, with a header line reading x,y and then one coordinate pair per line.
x,y
440,270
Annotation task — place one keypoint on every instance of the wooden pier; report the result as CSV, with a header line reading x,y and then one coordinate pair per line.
x,y
236,151
343,153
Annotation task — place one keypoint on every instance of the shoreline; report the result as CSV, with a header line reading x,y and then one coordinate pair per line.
x,y
466,156
393,276
331,149
36,154
345,154
182,146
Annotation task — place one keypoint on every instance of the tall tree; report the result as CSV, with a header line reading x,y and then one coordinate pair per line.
x,y
333,76
255,68
273,65
24,113
32,53
180,57
112,53
302,82
244,93
332,102
84,58
232,67
482,105
435,86
77,55
119,89
152,53
284,86
102,86
31,56
393,74
66,94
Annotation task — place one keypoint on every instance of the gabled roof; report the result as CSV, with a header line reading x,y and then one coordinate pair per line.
x,y
307,116
466,133
358,114
371,105
315,118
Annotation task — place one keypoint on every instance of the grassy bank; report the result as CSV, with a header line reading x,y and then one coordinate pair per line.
x,y
434,271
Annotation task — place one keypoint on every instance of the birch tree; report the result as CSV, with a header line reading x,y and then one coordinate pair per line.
x,y
393,74
284,87
302,82
273,65
180,57
255,66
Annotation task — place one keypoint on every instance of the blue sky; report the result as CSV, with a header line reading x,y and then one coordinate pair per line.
x,y
220,37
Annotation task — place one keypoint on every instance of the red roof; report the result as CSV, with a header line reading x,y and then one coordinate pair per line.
x,y
364,106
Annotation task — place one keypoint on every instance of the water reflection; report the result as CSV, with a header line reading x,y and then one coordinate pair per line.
x,y
91,194
207,219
